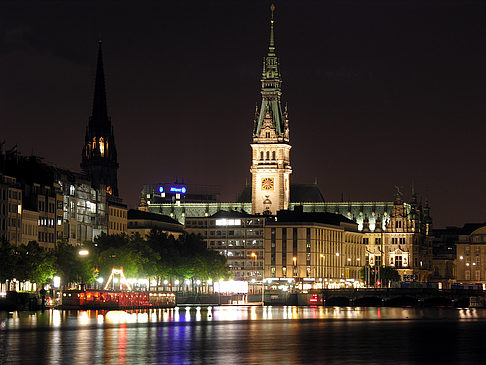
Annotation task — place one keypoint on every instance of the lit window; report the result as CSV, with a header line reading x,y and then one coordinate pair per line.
x,y
102,147
94,142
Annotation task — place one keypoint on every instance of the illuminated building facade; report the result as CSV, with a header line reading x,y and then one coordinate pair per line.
x,y
318,249
470,263
10,210
236,235
117,216
99,157
404,243
30,220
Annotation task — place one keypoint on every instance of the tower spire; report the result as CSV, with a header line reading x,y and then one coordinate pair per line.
x,y
271,113
99,157
271,46
99,115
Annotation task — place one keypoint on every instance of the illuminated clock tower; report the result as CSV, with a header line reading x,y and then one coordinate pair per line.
x,y
99,158
270,166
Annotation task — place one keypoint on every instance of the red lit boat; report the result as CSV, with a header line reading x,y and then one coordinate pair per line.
x,y
109,299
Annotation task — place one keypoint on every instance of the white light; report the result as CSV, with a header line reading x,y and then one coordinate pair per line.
x,y
461,257
253,280
187,282
83,252
100,280
176,282
166,282
115,280
198,282
337,253
56,281
231,286
209,281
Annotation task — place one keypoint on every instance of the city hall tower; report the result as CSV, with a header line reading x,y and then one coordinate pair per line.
x,y
270,164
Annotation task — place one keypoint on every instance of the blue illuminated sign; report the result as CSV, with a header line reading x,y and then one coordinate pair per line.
x,y
161,189
177,189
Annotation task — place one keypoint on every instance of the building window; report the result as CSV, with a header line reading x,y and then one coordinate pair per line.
x,y
261,155
273,155
102,147
398,261
284,246
267,134
268,155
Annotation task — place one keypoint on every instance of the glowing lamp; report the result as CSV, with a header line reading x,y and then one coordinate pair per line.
x,y
56,281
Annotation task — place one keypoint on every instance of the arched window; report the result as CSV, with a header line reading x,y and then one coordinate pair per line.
x,y
94,143
273,155
261,155
267,135
102,147
268,155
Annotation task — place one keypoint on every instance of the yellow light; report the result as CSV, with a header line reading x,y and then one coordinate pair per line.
x,y
83,252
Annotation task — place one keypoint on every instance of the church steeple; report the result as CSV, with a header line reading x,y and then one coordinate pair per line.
x,y
99,157
270,166
99,116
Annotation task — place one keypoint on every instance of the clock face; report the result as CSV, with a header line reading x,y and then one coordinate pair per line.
x,y
267,183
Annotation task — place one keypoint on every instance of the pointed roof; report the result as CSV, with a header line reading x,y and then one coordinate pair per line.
x,y
271,90
99,120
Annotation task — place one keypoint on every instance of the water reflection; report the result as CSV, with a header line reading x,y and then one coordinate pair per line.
x,y
242,334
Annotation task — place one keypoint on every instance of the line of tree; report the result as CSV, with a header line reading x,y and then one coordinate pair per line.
x,y
384,274
156,257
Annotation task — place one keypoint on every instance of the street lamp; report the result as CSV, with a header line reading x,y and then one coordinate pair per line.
x,y
83,252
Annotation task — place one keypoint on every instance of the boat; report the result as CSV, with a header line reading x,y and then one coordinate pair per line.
x,y
111,299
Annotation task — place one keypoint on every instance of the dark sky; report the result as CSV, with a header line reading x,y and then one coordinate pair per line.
x,y
380,93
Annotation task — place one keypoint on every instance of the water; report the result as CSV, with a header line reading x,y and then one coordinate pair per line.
x,y
245,335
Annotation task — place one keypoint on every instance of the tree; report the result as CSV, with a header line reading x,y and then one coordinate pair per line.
x,y
9,258
34,264
73,268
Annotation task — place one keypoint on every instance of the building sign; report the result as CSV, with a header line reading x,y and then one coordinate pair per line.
x,y
178,189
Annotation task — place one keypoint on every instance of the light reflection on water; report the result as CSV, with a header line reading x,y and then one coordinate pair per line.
x,y
255,334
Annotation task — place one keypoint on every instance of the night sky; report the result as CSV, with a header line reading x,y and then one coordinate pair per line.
x,y
379,93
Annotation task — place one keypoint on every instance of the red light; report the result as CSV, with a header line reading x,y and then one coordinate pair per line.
x,y
313,299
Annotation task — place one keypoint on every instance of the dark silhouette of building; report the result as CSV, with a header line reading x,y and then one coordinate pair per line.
x,y
99,158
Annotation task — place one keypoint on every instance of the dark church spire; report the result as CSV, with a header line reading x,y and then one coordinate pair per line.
x,y
99,116
99,158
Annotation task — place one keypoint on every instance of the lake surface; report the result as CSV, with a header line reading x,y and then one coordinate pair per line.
x,y
245,335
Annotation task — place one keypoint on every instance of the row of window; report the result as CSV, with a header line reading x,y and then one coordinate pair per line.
x,y
262,155
118,226
118,213
49,207
46,237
